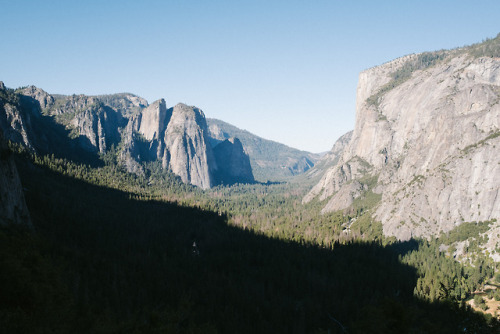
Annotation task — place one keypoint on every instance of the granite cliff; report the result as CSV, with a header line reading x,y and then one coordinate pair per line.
x,y
428,128
330,158
84,128
234,163
270,161
13,209
177,137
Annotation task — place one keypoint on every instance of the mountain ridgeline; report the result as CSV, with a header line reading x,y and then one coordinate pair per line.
x,y
108,225
84,128
426,144
269,160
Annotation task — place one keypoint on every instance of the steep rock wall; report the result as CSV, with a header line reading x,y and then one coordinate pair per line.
x,y
233,163
80,128
13,209
177,137
433,141
187,149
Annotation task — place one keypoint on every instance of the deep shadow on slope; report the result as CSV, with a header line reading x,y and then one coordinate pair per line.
x,y
103,262
45,134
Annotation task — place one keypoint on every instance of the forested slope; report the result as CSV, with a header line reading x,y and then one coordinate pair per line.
x,y
271,161
105,260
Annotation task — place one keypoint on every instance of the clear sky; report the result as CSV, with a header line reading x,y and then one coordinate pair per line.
x,y
284,70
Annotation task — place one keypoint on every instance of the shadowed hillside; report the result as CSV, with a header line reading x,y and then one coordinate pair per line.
x,y
271,161
105,261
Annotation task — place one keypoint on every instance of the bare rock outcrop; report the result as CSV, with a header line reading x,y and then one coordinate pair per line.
x,y
13,209
72,104
338,148
329,160
153,120
344,197
428,126
16,114
44,99
97,127
335,178
124,103
177,137
233,163
187,150
81,127
76,127
270,161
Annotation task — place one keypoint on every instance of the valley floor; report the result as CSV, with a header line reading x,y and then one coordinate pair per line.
x,y
107,260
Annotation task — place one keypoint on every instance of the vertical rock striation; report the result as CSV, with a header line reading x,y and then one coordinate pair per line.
x,y
428,126
83,127
97,127
233,162
177,137
187,150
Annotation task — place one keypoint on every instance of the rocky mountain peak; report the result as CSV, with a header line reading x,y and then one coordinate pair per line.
x,y
154,120
126,104
83,127
177,137
73,104
190,114
44,99
188,151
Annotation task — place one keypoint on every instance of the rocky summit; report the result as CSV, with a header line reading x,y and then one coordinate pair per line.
x,y
428,129
177,137
84,128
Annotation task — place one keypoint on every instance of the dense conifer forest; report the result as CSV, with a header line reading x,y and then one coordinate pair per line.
x,y
113,252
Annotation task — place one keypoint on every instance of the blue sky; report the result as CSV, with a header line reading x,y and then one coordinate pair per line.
x,y
284,70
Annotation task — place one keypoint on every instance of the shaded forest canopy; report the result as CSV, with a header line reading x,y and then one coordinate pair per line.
x,y
114,252
117,252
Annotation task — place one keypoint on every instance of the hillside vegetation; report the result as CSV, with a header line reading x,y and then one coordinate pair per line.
x,y
161,256
271,161
122,244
